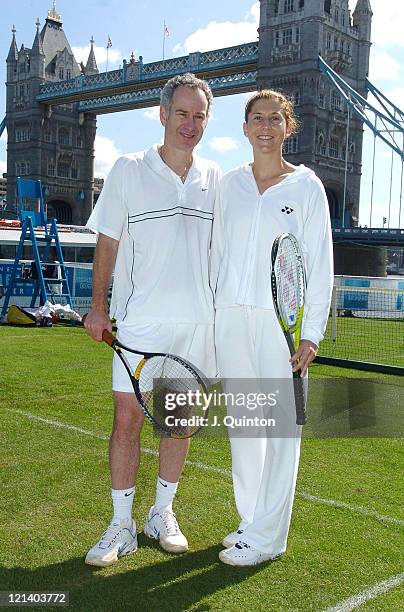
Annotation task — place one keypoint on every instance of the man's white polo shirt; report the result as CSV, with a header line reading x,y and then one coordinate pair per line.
x,y
164,232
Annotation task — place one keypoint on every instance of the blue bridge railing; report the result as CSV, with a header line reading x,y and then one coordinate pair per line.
x,y
136,72
378,235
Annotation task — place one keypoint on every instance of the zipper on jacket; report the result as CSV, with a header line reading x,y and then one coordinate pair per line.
x,y
253,250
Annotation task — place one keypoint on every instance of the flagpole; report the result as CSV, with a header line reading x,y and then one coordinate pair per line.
x,y
164,39
109,44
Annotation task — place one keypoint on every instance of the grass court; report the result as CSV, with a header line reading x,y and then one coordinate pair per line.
x,y
346,539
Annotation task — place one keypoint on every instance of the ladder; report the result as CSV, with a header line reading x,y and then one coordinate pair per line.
x,y
43,236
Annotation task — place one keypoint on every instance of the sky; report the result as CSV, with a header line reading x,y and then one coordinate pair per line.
x,y
135,26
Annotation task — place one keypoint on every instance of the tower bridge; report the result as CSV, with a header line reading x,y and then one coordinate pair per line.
x,y
137,85
315,51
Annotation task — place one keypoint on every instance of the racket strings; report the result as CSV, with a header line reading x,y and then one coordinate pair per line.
x,y
290,282
172,394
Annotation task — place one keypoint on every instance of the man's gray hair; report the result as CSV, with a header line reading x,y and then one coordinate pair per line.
x,y
189,80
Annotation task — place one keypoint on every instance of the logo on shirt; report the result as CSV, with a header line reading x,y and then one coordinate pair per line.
x,y
287,210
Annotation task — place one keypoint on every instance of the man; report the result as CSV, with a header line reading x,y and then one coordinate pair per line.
x,y
154,219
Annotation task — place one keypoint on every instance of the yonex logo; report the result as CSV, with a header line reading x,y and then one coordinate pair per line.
x,y
287,210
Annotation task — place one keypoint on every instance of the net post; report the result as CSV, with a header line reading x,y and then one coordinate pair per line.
x,y
334,313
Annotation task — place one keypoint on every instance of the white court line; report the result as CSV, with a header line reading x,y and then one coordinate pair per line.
x,y
378,589
352,507
223,472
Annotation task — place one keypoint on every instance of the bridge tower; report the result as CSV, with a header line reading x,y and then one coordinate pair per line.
x,y
54,145
292,33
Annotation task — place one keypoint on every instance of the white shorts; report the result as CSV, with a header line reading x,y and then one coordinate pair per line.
x,y
193,342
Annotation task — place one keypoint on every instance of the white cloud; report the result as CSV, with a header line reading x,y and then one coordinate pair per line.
x,y
219,34
254,12
3,137
223,144
114,55
3,167
153,113
106,154
383,66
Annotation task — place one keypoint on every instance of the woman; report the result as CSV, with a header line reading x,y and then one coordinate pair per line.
x,y
257,202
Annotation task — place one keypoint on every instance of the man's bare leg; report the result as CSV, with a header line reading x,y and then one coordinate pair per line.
x,y
173,453
124,443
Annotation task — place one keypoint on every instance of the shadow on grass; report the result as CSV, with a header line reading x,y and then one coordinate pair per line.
x,y
174,583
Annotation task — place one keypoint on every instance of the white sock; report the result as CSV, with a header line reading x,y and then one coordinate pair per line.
x,y
165,492
122,500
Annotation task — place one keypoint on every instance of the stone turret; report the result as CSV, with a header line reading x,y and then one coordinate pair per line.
x,y
37,63
91,66
362,22
12,57
13,51
362,19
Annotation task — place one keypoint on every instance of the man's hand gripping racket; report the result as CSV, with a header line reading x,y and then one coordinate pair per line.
x,y
288,284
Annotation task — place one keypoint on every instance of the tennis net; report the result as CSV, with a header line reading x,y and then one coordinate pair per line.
x,y
366,324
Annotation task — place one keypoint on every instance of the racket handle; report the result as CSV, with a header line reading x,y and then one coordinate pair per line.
x,y
108,337
300,401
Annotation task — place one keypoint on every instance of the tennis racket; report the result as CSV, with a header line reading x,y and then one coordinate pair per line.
x,y
171,391
288,284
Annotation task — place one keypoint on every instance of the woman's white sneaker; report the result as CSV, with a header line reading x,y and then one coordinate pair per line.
x,y
163,526
244,555
118,540
232,538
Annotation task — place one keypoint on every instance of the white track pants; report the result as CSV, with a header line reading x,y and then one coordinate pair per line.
x,y
250,344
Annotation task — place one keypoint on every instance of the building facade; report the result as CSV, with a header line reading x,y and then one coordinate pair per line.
x,y
292,33
54,144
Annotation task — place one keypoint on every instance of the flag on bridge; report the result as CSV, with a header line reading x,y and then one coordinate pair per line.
x,y
166,32
109,43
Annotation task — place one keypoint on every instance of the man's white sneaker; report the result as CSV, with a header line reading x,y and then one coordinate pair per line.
x,y
163,526
243,555
118,540
232,538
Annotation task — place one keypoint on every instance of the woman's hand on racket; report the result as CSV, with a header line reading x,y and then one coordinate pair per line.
x,y
95,322
304,356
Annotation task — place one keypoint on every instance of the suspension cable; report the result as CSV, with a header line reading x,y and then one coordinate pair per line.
x,y
373,171
346,166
